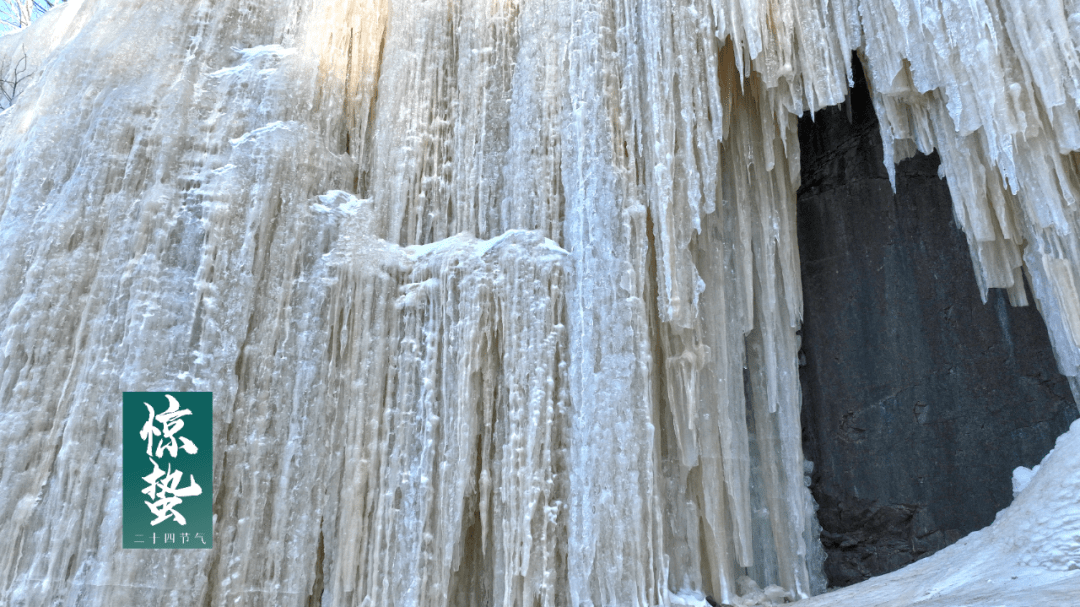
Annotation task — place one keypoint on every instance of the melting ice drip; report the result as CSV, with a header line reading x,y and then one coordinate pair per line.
x,y
498,300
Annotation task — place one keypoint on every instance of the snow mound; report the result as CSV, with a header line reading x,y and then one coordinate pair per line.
x,y
1029,556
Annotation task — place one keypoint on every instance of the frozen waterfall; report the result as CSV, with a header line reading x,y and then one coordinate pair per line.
x,y
498,300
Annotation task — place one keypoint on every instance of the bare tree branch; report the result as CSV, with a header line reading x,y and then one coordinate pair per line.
x,y
10,88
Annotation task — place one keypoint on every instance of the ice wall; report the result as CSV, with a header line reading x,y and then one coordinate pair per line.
x,y
498,300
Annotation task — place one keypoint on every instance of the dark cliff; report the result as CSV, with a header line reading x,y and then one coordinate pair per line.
x,y
918,399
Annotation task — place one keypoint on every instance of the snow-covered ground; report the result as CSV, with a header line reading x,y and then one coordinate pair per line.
x,y
1029,556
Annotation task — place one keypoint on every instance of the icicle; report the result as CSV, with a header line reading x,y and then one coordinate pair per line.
x,y
498,300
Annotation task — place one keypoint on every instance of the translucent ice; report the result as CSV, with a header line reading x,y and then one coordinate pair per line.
x,y
498,299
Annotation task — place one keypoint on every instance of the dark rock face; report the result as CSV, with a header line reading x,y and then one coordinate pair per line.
x,y
918,399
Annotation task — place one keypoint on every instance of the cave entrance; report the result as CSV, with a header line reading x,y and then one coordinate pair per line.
x,y
918,399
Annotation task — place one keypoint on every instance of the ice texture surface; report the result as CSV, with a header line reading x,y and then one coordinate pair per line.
x,y
498,300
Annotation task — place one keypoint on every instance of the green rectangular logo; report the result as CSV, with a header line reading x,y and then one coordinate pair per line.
x,y
168,470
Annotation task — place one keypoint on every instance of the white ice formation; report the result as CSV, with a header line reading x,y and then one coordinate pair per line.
x,y
497,299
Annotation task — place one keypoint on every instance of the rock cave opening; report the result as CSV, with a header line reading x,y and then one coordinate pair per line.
x,y
919,399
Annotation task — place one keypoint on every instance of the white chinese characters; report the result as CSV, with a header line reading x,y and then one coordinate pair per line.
x,y
171,422
163,486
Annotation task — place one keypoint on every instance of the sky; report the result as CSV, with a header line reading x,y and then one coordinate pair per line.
x,y
6,12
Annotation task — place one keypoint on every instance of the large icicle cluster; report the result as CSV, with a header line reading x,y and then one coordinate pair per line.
x,y
498,300
995,89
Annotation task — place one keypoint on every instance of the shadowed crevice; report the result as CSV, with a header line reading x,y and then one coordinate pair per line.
x,y
918,399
